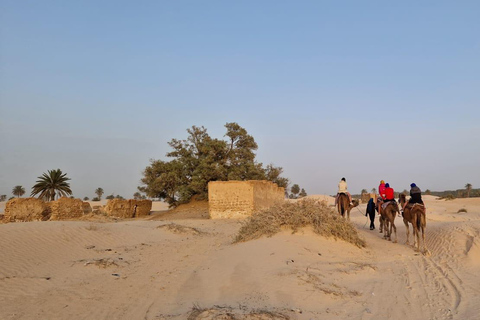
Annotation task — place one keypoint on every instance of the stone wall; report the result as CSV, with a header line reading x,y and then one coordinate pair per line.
x,y
239,199
26,209
66,208
126,208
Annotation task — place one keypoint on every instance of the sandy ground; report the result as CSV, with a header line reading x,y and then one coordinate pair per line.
x,y
147,269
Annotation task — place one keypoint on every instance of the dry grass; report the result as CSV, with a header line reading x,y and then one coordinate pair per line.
x,y
228,313
295,215
179,229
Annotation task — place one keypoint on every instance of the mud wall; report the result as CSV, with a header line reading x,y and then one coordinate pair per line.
x,y
66,208
126,208
239,199
26,209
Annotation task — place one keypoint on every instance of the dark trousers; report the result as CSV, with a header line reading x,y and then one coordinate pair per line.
x,y
371,214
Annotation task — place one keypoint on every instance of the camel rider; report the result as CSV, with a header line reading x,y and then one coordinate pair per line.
x,y
381,189
389,193
342,188
381,192
415,196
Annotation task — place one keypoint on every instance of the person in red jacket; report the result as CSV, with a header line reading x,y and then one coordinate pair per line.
x,y
381,192
389,195
381,189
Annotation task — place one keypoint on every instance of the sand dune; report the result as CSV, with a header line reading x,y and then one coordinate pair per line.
x,y
151,269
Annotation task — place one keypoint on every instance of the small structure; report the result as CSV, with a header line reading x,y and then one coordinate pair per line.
x,y
239,199
128,208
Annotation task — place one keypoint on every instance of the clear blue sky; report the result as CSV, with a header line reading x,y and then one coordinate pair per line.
x,y
366,90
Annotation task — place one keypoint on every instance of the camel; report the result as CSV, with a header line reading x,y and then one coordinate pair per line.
x,y
415,214
344,206
387,214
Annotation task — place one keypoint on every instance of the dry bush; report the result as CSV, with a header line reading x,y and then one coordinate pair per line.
x,y
462,210
295,215
179,229
228,313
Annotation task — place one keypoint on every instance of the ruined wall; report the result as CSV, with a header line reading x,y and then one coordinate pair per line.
x,y
26,209
265,194
126,208
66,208
239,199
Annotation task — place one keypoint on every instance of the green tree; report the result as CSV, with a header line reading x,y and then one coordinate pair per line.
x,y
110,197
363,191
18,191
428,192
99,192
468,188
200,159
295,190
302,193
3,197
86,199
51,185
374,190
137,196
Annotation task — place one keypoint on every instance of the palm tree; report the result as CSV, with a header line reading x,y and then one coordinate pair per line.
x,y
18,191
51,185
468,187
99,193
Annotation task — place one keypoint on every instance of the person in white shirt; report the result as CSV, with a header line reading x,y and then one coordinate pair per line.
x,y
342,188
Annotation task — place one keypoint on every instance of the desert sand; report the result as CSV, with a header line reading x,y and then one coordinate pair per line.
x,y
175,267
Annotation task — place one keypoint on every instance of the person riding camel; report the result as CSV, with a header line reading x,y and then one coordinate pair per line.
x,y
381,189
342,188
415,197
381,192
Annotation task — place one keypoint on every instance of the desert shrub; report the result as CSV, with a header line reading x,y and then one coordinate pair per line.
x,y
462,210
295,215
96,199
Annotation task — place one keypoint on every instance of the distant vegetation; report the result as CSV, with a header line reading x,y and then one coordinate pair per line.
x,y
99,192
200,159
52,185
18,191
3,197
295,192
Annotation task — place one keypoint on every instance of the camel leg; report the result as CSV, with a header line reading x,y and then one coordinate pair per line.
x,y
381,224
394,230
408,232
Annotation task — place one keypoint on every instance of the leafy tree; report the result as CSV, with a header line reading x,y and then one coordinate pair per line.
x,y
200,159
99,192
119,197
295,190
52,185
302,193
468,188
428,192
18,191
374,190
3,197
363,191
95,199
110,197
137,196
86,199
